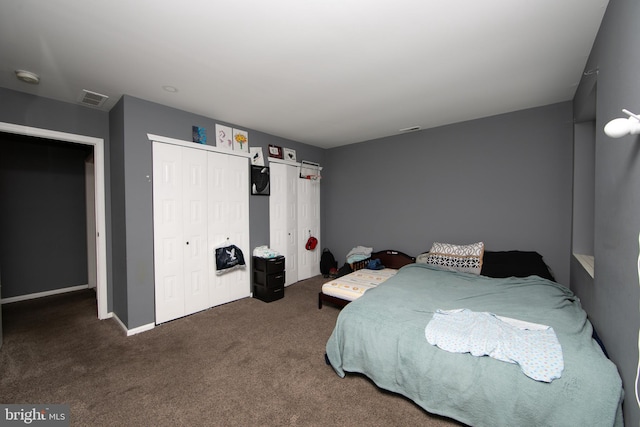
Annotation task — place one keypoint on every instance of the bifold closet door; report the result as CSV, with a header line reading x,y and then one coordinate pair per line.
x,y
195,254
168,237
228,218
308,225
180,231
283,216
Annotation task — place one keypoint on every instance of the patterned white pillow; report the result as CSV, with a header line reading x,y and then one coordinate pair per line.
x,y
464,258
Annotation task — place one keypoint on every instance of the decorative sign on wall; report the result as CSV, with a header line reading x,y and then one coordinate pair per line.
x,y
224,137
257,158
289,154
199,134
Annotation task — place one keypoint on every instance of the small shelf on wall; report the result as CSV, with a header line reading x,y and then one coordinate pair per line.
x,y
286,162
191,144
587,262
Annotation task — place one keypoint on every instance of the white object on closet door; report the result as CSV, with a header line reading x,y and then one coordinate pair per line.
x,y
283,214
228,218
308,225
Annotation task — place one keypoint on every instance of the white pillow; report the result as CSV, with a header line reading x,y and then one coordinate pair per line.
x,y
423,258
464,258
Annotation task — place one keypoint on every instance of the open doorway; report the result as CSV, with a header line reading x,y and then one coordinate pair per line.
x,y
86,147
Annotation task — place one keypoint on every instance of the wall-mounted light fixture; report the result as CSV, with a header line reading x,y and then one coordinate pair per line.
x,y
617,128
27,77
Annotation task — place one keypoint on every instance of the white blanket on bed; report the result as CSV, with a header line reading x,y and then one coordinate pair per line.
x,y
534,347
358,254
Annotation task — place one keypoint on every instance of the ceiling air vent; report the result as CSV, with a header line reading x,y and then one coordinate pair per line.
x,y
92,99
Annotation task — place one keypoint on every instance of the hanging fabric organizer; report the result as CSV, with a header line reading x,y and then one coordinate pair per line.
x,y
228,258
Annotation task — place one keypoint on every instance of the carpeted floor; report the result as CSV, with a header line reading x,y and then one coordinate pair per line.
x,y
247,363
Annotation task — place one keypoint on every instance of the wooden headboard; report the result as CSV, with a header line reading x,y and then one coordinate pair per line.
x,y
389,258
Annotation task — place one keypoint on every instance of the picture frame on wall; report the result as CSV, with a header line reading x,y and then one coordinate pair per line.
x,y
260,182
275,152
199,134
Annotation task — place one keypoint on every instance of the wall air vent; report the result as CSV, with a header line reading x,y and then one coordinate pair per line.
x,y
92,99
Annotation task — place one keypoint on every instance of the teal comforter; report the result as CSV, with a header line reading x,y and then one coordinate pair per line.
x,y
382,335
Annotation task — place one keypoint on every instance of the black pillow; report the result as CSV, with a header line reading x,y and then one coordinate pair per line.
x,y
501,264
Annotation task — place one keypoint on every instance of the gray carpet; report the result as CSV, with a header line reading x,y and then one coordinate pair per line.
x,y
247,363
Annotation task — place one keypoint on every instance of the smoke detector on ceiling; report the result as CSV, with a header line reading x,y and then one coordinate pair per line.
x,y
92,99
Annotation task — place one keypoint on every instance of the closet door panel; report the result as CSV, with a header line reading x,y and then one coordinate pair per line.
x,y
218,234
283,213
239,282
278,210
308,225
168,232
196,264
292,225
228,223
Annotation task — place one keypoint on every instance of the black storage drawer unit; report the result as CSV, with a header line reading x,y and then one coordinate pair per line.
x,y
268,278
268,265
275,280
268,294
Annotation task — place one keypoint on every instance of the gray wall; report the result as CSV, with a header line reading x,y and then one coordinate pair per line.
x,y
28,110
611,299
43,216
131,120
504,180
118,282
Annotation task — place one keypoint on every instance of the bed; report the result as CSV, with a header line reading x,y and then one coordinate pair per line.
x,y
342,290
383,335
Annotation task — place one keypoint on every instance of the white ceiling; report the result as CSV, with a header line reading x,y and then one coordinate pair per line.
x,y
321,72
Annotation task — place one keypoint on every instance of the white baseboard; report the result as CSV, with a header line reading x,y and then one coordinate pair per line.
x,y
42,294
133,331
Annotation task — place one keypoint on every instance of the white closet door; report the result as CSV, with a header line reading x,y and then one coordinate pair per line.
x,y
278,209
228,178
283,214
238,284
291,261
308,225
168,235
196,265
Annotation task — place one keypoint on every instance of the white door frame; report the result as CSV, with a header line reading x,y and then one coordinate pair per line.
x,y
100,194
